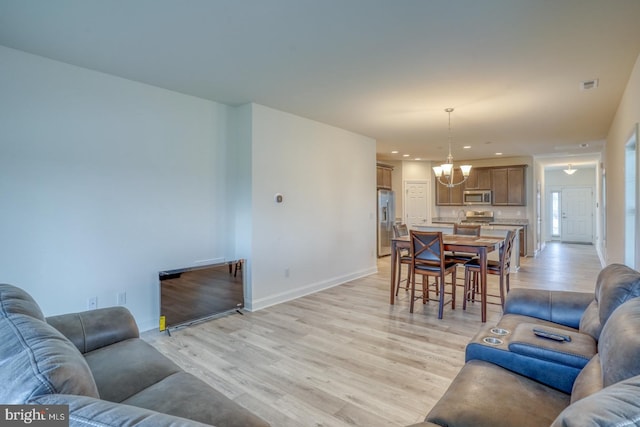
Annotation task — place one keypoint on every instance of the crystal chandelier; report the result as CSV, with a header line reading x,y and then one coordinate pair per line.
x,y
569,171
444,172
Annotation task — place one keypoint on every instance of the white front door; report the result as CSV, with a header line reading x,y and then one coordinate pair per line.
x,y
577,215
416,203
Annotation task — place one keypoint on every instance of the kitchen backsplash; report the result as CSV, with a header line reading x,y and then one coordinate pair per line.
x,y
510,214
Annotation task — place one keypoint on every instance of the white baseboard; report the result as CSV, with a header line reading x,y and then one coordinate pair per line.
x,y
260,303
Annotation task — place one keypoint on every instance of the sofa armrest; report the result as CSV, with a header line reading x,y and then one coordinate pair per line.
x,y
562,307
91,412
90,330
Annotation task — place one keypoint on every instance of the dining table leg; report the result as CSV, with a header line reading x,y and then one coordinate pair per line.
x,y
394,261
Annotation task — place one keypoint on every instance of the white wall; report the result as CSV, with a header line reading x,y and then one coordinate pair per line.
x,y
626,117
585,177
104,182
324,232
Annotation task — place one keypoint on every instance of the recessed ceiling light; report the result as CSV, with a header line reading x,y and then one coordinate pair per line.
x,y
394,152
417,158
406,155
466,147
498,154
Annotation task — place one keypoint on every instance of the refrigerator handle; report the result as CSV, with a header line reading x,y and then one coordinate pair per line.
x,y
384,213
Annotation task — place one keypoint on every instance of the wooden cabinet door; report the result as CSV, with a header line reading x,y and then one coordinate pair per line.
x,y
484,179
500,186
523,241
443,195
456,192
446,196
472,181
516,193
479,179
508,186
383,175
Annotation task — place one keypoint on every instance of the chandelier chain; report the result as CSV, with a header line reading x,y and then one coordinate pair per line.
x,y
444,173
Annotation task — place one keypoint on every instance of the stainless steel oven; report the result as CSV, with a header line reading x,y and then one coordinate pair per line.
x,y
476,197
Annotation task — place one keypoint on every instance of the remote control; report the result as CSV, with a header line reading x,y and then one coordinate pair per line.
x,y
551,335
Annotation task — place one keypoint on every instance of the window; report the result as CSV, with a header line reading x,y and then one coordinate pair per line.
x,y
555,214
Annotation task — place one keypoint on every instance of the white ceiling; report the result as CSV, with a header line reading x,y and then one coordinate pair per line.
x,y
383,68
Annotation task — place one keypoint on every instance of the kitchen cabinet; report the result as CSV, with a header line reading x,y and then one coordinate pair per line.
x,y
479,179
446,196
523,240
508,186
383,173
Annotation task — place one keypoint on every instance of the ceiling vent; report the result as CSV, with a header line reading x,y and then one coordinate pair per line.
x,y
589,84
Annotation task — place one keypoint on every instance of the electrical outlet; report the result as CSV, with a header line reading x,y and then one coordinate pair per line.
x,y
121,298
92,303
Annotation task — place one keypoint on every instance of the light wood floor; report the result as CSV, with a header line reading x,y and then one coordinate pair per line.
x,y
344,356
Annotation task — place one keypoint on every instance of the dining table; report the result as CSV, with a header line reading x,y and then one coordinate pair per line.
x,y
479,245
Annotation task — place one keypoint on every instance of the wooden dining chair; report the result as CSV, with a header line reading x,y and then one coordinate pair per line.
x,y
403,257
461,258
501,268
464,230
427,260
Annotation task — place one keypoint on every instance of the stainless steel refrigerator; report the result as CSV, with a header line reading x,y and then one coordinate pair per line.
x,y
386,219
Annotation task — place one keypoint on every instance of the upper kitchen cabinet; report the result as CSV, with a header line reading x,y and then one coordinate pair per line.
x,y
446,196
479,179
508,186
384,176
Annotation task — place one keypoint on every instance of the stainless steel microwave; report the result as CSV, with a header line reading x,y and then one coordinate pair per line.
x,y
476,197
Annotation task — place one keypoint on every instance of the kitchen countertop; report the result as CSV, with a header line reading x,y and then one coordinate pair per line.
x,y
497,221
485,226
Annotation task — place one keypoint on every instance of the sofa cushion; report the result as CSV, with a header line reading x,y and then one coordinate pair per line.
x,y
616,283
589,380
619,344
576,353
184,395
483,394
16,301
616,405
36,359
91,412
90,330
559,307
128,367
590,320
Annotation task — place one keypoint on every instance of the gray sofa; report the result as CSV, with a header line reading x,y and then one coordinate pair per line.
x,y
513,377
96,363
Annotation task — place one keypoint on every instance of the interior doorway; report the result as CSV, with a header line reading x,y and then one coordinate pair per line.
x,y
571,212
416,203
